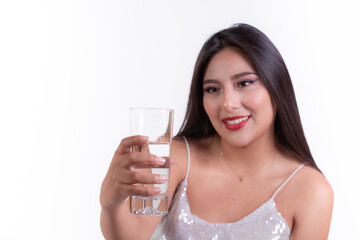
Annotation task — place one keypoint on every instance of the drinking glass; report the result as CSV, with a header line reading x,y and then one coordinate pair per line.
x,y
157,124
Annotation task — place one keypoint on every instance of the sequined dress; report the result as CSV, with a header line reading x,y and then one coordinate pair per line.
x,y
264,223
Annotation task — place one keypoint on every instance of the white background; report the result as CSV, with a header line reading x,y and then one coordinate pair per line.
x,y
70,70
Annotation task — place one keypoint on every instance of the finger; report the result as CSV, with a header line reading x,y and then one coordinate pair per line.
x,y
143,176
127,143
142,191
141,160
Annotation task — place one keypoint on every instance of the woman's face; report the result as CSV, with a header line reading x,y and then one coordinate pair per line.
x,y
236,101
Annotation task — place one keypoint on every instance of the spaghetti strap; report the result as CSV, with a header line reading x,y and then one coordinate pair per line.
x,y
283,184
188,156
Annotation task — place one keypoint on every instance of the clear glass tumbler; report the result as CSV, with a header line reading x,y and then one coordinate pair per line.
x,y
157,124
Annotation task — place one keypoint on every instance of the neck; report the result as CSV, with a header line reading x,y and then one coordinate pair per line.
x,y
251,158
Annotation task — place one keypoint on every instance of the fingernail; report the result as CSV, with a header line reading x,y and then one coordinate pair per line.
x,y
160,160
143,138
162,178
156,191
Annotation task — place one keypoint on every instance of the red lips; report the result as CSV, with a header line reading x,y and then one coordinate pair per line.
x,y
235,122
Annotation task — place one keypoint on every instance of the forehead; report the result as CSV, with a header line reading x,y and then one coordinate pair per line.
x,y
228,62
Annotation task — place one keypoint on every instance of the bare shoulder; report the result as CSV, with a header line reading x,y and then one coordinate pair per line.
x,y
180,157
313,187
179,153
178,146
313,201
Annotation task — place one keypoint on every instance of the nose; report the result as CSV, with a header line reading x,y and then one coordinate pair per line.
x,y
230,99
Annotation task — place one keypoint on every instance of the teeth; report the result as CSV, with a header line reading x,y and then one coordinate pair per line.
x,y
236,121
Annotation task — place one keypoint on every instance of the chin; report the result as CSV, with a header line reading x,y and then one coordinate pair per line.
x,y
236,142
241,145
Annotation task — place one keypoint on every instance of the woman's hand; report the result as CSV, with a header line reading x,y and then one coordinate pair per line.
x,y
121,181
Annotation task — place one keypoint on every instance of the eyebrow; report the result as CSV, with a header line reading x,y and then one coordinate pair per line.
x,y
234,77
239,75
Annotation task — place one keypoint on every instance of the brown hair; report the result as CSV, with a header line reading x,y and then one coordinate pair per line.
x,y
273,72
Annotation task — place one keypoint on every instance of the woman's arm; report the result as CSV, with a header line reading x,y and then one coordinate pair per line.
x,y
313,208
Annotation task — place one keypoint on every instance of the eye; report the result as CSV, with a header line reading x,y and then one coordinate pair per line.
x,y
245,83
211,89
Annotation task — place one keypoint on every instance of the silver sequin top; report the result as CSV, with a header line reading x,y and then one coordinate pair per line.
x,y
265,222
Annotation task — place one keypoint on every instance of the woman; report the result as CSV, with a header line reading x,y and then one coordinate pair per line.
x,y
242,167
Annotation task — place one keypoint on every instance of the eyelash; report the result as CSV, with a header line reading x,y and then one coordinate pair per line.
x,y
245,83
211,89
240,84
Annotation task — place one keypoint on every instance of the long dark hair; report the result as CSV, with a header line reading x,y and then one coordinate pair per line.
x,y
273,72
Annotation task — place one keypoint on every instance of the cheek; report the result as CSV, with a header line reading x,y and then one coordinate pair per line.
x,y
261,102
210,107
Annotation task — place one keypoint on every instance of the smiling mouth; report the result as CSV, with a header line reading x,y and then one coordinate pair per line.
x,y
236,121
